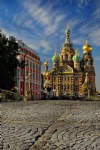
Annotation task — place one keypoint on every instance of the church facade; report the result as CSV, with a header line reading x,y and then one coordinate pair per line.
x,y
71,74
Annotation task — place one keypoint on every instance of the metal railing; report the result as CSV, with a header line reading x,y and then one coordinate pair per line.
x,y
6,95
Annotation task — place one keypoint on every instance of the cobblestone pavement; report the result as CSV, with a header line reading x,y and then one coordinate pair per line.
x,y
50,125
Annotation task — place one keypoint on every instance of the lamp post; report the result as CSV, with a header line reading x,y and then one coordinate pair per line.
x,y
18,74
21,65
29,78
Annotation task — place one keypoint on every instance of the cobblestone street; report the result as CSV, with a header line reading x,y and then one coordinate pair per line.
x,y
50,125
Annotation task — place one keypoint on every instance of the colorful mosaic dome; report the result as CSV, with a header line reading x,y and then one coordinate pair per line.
x,y
67,31
55,58
76,57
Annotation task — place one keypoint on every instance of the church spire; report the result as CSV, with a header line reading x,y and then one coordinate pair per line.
x,y
46,64
67,32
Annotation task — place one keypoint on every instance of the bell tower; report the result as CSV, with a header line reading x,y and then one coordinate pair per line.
x,y
87,60
88,66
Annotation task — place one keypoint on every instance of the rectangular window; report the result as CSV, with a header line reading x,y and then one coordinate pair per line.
x,y
27,62
36,86
36,67
64,87
33,86
30,64
58,79
33,76
39,68
58,87
36,76
76,87
26,73
54,86
22,72
33,66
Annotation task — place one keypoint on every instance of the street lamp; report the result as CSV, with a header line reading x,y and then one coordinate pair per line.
x,y
18,74
29,77
21,64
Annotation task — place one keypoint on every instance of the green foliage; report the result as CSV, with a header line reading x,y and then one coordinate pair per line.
x,y
8,60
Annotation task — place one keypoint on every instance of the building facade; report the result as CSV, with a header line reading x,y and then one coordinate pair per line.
x,y
71,74
29,72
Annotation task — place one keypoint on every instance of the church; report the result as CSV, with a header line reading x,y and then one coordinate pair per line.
x,y
70,74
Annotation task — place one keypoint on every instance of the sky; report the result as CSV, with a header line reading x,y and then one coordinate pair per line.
x,y
41,25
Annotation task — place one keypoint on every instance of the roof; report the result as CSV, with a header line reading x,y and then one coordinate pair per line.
x,y
21,44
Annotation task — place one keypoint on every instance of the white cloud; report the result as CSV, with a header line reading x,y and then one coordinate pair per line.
x,y
45,17
23,20
45,44
94,33
41,47
82,3
96,13
34,15
38,13
78,41
52,27
97,58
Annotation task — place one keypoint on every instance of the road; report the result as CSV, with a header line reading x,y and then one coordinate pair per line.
x,y
50,125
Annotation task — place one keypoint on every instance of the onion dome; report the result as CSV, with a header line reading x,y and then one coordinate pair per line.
x,y
76,57
46,63
55,58
47,75
67,31
87,46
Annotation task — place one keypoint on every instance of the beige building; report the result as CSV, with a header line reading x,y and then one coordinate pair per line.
x,y
71,74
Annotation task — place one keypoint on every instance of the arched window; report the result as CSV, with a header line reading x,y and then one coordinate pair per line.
x,y
61,57
91,62
87,62
71,57
66,56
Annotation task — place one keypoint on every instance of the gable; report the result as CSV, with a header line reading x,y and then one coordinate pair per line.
x,y
65,69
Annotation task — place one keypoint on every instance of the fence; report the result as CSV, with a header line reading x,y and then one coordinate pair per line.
x,y
6,95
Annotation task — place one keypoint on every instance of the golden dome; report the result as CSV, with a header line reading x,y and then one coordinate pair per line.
x,y
46,63
87,46
47,74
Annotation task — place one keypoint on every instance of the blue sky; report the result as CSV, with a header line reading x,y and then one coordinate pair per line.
x,y
41,25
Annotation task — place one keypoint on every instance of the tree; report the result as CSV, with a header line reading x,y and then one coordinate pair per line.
x,y
8,61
